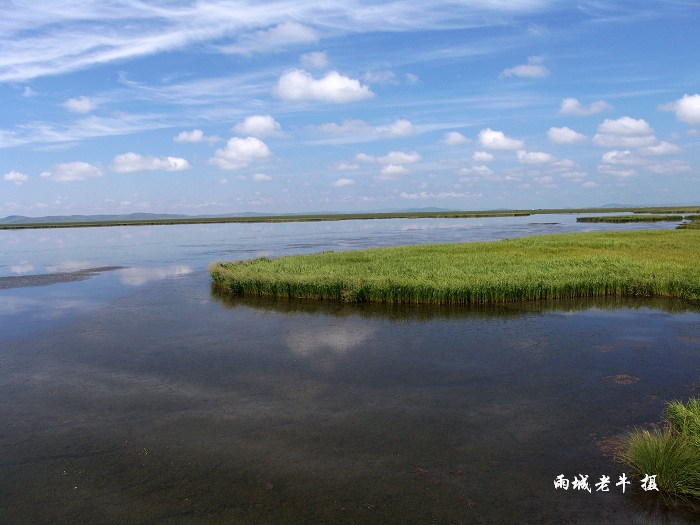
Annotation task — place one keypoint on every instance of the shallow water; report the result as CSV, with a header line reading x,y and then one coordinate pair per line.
x,y
143,397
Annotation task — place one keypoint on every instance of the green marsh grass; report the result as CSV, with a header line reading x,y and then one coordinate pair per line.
x,y
632,218
671,453
638,263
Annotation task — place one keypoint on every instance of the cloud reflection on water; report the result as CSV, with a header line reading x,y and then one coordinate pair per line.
x,y
137,276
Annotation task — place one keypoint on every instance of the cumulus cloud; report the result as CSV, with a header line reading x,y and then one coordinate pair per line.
x,y
261,177
400,128
133,162
359,128
662,148
348,127
482,156
363,157
196,135
440,195
687,109
399,157
239,153
277,36
392,171
497,140
344,166
534,157
624,158
481,171
15,177
259,126
453,138
565,136
315,60
343,182
617,172
625,132
533,69
72,171
380,77
669,168
79,105
626,126
297,84
571,106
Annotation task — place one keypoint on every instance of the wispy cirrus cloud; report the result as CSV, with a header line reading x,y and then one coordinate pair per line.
x,y
52,38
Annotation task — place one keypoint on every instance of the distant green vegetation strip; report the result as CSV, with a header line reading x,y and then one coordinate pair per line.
x,y
338,217
632,218
636,263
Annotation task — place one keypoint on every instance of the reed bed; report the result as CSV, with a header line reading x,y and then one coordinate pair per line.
x,y
641,263
632,218
671,453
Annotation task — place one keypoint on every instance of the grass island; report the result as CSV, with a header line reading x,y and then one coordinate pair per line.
x,y
636,263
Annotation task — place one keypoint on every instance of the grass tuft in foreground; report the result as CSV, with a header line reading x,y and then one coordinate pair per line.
x,y
672,453
636,263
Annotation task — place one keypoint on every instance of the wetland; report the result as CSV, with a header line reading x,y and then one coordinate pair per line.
x,y
139,393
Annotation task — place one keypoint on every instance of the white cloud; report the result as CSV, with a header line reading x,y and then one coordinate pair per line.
x,y
534,157
565,136
348,127
533,69
400,128
399,157
196,135
687,109
662,148
625,132
411,78
482,171
623,158
344,166
343,182
380,77
590,184
491,139
72,171
616,172
261,177
362,157
239,153
391,171
571,106
625,126
334,87
15,177
482,156
277,36
259,126
440,195
359,128
453,138
669,168
79,105
315,59
133,162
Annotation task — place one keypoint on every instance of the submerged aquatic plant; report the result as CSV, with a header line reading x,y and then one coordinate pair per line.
x,y
671,453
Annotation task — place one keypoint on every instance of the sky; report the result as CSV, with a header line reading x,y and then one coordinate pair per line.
x,y
212,107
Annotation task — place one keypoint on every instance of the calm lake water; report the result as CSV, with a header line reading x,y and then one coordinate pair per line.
x,y
137,395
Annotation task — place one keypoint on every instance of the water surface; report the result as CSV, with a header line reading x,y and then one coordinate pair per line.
x,y
143,397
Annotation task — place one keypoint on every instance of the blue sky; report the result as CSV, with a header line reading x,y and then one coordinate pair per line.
x,y
211,107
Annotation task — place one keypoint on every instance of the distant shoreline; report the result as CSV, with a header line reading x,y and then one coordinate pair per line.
x,y
343,217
